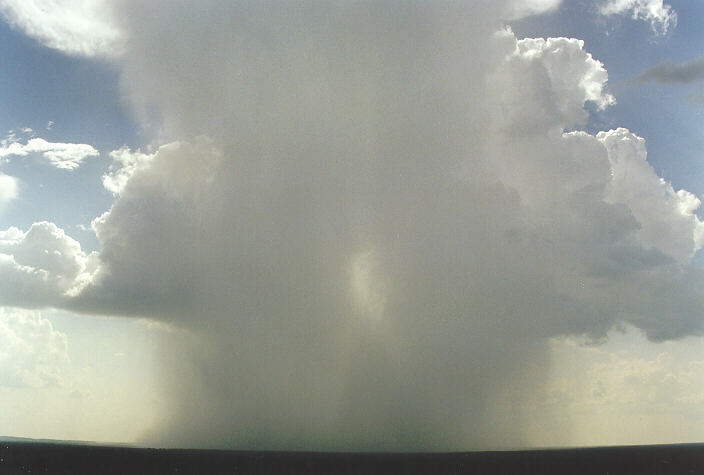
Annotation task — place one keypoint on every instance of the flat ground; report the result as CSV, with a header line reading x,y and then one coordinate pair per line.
x,y
24,457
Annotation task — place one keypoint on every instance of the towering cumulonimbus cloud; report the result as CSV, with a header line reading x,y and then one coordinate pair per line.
x,y
369,217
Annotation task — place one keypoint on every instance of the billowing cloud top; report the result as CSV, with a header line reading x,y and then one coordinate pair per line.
x,y
125,164
370,218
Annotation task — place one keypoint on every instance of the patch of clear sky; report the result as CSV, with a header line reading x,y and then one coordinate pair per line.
x,y
81,97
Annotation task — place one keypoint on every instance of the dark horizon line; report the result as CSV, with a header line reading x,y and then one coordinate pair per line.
x,y
130,445
46,457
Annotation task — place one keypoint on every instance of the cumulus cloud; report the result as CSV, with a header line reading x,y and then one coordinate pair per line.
x,y
32,352
667,219
368,222
670,73
41,267
660,15
66,156
124,164
75,27
547,82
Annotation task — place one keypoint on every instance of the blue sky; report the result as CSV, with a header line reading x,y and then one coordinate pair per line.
x,y
397,232
81,98
667,116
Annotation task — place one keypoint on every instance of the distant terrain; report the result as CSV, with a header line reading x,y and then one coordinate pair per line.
x,y
7,438
19,455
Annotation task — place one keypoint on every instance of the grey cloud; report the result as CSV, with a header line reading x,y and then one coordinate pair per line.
x,y
369,221
674,74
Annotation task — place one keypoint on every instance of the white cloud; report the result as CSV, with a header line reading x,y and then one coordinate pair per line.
x,y
660,15
447,203
32,352
66,156
75,27
124,164
8,189
544,83
522,8
667,219
399,161
42,266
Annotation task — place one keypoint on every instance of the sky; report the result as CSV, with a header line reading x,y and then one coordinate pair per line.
x,y
352,225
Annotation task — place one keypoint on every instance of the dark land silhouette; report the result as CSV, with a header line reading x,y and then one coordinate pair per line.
x,y
21,456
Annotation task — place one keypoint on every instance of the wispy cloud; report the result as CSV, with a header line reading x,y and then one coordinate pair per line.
x,y
660,15
75,27
66,156
671,73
